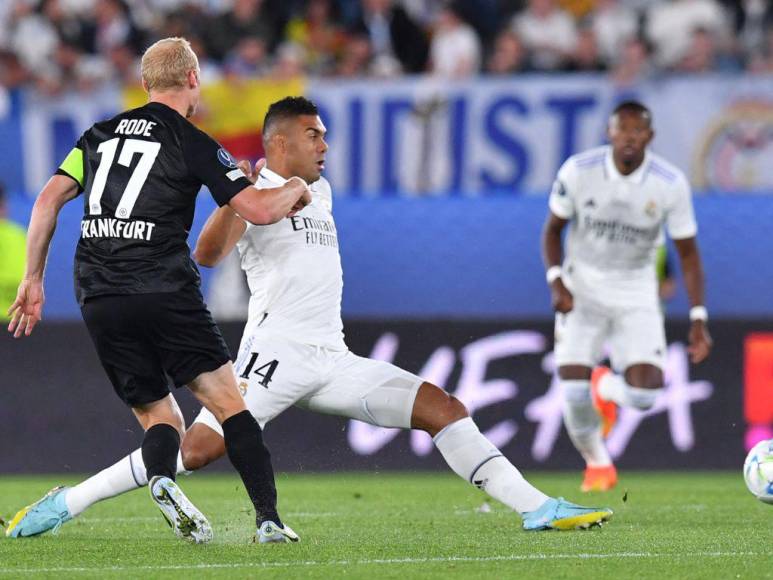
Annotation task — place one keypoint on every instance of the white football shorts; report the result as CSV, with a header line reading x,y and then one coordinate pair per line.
x,y
634,335
274,373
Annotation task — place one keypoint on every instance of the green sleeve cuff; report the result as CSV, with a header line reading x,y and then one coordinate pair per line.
x,y
73,165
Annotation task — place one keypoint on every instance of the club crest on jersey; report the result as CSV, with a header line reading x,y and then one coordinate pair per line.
x,y
651,209
226,158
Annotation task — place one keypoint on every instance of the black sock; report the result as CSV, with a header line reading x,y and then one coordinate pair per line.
x,y
159,450
250,457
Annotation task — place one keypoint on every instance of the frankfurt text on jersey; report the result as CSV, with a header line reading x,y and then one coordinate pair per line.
x,y
104,227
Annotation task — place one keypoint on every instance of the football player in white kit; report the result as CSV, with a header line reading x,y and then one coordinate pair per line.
x,y
616,200
293,351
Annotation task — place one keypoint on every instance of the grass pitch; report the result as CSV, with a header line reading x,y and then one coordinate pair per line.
x,y
698,525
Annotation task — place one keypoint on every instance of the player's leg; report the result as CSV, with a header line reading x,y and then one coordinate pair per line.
x,y
195,355
123,476
474,458
163,423
638,346
215,431
579,337
382,394
638,387
200,446
118,328
273,374
164,426
129,347
217,392
468,453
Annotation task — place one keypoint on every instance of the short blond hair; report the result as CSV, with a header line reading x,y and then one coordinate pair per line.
x,y
166,64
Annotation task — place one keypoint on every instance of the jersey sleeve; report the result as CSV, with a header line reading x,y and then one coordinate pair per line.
x,y
323,186
561,200
73,166
680,220
213,166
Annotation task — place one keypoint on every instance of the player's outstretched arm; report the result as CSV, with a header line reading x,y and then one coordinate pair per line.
x,y
692,271
26,310
218,237
551,256
268,206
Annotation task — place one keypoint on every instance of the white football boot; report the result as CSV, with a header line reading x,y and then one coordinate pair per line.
x,y
182,516
270,533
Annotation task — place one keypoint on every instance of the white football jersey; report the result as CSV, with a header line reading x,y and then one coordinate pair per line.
x,y
294,271
617,224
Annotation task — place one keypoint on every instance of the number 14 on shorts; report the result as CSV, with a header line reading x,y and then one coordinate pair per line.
x,y
265,371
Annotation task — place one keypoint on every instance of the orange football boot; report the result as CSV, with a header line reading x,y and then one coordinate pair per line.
x,y
607,410
599,478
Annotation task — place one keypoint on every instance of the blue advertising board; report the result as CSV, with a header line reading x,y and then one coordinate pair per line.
x,y
461,258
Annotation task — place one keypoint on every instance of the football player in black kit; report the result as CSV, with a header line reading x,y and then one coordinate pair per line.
x,y
139,290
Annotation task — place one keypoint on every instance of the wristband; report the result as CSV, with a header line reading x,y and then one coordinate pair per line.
x,y
553,273
699,313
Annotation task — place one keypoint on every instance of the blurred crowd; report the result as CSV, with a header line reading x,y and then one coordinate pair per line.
x,y
58,45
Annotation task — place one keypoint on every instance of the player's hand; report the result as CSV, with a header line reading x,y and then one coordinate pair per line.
x,y
27,309
562,299
250,171
303,200
700,342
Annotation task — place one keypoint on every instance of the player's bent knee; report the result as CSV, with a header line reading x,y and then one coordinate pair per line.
x,y
644,376
201,447
451,412
642,399
195,458
456,410
435,409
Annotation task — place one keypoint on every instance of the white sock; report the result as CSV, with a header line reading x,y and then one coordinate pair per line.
x,y
613,387
475,459
583,423
128,474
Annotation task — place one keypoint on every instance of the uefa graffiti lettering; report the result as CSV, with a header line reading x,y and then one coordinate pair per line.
x,y
479,391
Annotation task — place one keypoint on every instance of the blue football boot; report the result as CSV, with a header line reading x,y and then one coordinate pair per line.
x,y
48,513
559,514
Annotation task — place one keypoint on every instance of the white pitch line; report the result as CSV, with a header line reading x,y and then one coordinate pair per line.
x,y
118,519
437,560
156,519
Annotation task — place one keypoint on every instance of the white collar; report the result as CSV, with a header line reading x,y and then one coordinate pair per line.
x,y
272,176
635,177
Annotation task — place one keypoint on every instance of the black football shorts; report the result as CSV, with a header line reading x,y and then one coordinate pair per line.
x,y
143,340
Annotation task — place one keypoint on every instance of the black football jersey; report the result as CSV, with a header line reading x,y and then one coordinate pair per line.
x,y
140,173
